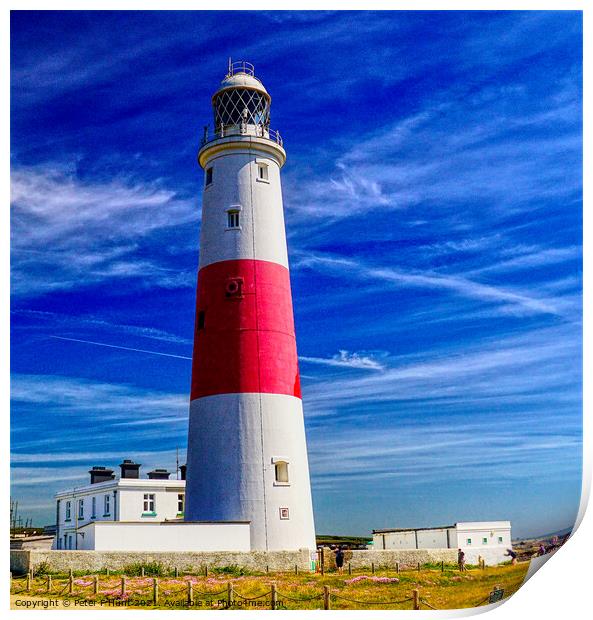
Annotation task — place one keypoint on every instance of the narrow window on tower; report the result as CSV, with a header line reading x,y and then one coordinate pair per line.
x,y
233,219
180,503
201,319
262,172
280,471
208,176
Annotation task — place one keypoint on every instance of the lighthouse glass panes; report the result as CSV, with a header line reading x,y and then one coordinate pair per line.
x,y
209,176
241,105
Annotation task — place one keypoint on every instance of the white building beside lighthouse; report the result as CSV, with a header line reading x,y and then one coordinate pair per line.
x,y
247,455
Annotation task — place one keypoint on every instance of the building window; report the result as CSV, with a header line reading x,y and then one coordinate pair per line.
x,y
208,176
281,471
180,503
68,510
93,508
81,509
59,543
469,541
106,505
284,513
500,540
233,219
149,503
484,541
262,172
201,319
65,541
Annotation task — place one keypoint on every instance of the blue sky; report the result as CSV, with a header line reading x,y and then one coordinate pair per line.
x,y
433,199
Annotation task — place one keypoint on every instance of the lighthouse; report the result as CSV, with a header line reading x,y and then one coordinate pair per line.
x,y
247,453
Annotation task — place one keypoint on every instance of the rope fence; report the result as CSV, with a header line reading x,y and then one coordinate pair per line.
x,y
124,586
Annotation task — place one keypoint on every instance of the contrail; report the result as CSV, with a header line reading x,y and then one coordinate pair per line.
x,y
114,346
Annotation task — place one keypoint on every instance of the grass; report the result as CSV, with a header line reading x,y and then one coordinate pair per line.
x,y
444,590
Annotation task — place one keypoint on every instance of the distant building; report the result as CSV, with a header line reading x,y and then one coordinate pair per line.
x,y
121,514
488,539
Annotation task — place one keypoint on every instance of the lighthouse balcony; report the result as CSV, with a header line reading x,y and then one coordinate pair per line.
x,y
225,131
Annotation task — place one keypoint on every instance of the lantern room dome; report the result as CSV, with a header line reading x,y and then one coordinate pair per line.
x,y
241,80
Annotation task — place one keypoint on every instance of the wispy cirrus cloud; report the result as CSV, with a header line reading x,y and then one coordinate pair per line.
x,y
68,232
510,298
345,359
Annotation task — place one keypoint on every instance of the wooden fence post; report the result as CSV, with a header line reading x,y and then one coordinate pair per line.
x,y
107,572
373,568
229,594
49,583
123,585
296,569
206,570
155,591
96,584
416,594
11,579
418,566
142,572
349,568
267,569
274,596
71,573
28,587
397,567
190,593
326,598
176,572
442,566
70,583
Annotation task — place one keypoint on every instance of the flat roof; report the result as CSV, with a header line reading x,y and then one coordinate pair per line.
x,y
414,529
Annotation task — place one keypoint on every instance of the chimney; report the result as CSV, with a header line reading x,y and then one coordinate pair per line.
x,y
101,474
159,474
129,469
183,470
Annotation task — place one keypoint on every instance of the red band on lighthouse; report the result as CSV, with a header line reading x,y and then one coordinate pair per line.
x,y
244,335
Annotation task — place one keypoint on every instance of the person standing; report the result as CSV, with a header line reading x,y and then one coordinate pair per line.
x,y
340,560
461,560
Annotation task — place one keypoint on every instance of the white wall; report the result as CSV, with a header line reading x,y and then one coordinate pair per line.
x,y
120,536
127,507
433,539
229,452
485,541
235,183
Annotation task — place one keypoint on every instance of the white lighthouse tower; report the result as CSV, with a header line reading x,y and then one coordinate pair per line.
x,y
247,454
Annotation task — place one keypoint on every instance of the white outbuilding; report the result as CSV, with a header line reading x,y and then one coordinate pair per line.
x,y
489,540
130,513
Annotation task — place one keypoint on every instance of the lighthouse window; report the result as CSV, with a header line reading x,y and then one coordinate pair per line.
x,y
149,502
262,172
81,509
280,471
180,503
208,176
68,510
233,219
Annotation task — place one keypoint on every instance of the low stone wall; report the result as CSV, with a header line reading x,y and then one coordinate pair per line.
x,y
387,558
92,561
